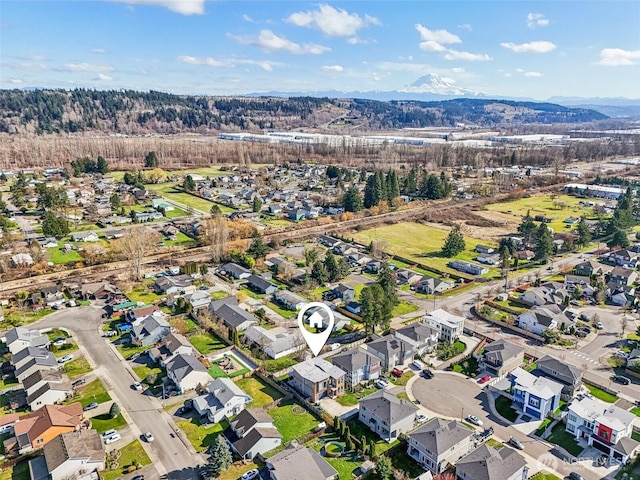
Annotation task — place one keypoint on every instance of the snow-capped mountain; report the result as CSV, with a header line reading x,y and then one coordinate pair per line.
x,y
437,85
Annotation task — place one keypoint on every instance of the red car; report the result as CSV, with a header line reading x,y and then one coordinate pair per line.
x,y
397,372
484,379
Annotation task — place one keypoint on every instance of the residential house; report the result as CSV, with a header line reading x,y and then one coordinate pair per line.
x,y
421,337
150,329
148,216
550,292
236,271
232,316
342,292
84,237
407,277
289,300
468,267
275,342
259,284
373,267
300,462
358,259
252,433
500,357
525,255
534,396
170,346
19,337
562,372
489,463
187,372
7,422
328,241
448,325
624,258
166,285
621,277
488,258
99,291
45,387
53,296
584,282
316,379
344,249
392,352
439,444
35,430
198,299
623,297
224,399
430,285
359,366
71,455
386,415
606,427
590,268
540,318
22,260
484,249
29,360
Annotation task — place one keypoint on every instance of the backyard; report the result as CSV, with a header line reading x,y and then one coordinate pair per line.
x,y
261,392
561,437
201,436
292,421
350,399
206,343
344,464
237,368
358,429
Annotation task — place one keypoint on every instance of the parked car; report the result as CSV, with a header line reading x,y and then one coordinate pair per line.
x,y
421,418
138,477
58,342
515,443
397,372
621,379
66,358
148,436
335,346
133,356
109,432
110,333
621,354
599,326
136,386
474,420
112,439
584,317
484,379
575,303
426,373
91,406
575,476
78,383
184,409
251,474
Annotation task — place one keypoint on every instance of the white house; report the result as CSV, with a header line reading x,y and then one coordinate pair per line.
x,y
252,432
534,396
198,299
539,319
223,399
19,337
44,387
276,342
187,372
448,325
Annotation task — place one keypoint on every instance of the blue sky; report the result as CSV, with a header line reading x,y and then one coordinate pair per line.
x,y
509,48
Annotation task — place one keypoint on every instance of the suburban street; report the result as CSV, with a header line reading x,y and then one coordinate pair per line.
x,y
172,457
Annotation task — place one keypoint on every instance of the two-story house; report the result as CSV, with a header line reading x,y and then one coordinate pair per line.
x,y
224,399
170,346
19,337
489,463
449,326
534,396
252,432
621,277
547,293
386,415
392,352
540,318
358,365
186,372
316,379
45,387
500,357
438,444
431,285
606,427
300,462
568,375
421,337
150,329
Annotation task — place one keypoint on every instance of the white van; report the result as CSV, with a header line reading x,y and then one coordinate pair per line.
x,y
417,364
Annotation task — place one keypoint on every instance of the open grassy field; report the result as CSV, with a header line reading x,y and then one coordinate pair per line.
x,y
421,243
559,208
206,343
168,191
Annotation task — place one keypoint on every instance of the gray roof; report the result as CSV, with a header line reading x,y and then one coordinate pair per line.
x,y
234,316
60,386
317,370
388,345
235,269
50,362
148,325
41,375
354,359
260,282
418,332
166,282
501,351
183,365
487,463
24,334
80,444
559,370
247,418
224,390
439,436
387,407
246,443
289,297
30,352
626,446
300,463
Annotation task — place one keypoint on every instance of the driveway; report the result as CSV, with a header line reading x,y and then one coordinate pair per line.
x,y
173,457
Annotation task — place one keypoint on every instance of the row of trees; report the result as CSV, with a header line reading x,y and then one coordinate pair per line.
x,y
330,270
377,302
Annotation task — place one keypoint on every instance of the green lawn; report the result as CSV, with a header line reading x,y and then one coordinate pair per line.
x,y
181,240
277,364
143,293
403,308
261,392
91,392
143,371
421,243
215,371
206,343
601,394
545,476
345,465
191,325
350,399
492,442
292,425
503,406
8,382
77,367
358,429
561,437
104,422
403,462
402,381
128,349
57,333
130,454
168,191
16,318
175,213
20,471
200,436
635,411
65,349
281,311
219,295
543,426
58,257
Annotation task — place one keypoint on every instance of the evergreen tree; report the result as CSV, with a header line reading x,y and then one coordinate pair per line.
x,y
372,448
333,171
215,210
258,248
256,204
114,411
544,242
352,200
388,285
454,243
319,272
371,192
619,238
189,184
373,307
393,186
410,183
114,200
381,186
101,165
584,233
219,458
383,468
151,160
506,250
54,226
528,229
433,189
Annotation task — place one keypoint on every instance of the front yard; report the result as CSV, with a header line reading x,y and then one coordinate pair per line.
x,y
561,437
16,318
104,422
77,367
201,436
350,399
91,392
601,394
129,455
504,408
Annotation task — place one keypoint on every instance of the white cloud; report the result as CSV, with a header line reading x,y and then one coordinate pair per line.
x,y
87,67
333,68
332,21
466,56
36,58
208,61
98,50
465,26
359,41
541,46
103,78
433,40
270,42
458,70
533,74
537,20
183,7
520,70
615,57
16,81
247,18
31,66
432,46
506,74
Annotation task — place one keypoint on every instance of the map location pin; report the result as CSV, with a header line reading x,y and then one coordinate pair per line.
x,y
316,340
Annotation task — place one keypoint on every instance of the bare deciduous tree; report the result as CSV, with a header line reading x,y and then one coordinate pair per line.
x,y
215,233
378,247
624,323
137,243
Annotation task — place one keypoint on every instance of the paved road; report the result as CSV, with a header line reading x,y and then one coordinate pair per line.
x,y
173,457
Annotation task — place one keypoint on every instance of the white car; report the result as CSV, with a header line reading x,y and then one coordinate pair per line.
x,y
622,354
112,439
251,474
148,436
66,358
335,346
108,433
382,383
137,386
421,418
599,326
475,420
